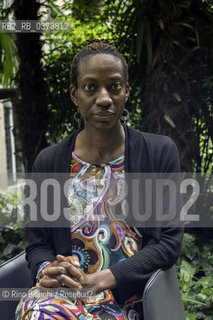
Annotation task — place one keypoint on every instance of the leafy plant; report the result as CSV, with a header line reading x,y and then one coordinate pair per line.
x,y
12,236
9,59
195,270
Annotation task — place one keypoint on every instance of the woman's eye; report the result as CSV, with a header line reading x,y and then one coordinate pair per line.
x,y
116,86
89,87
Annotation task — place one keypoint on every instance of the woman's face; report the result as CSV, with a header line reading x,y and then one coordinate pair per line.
x,y
101,92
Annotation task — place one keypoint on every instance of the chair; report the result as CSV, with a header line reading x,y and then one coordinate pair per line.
x,y
161,297
13,274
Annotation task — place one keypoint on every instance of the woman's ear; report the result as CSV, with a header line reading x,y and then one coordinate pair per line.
x,y
127,91
73,94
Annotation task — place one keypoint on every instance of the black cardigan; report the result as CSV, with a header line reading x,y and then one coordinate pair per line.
x,y
144,152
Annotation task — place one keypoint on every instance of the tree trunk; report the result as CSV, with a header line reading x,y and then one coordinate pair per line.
x,y
31,110
173,82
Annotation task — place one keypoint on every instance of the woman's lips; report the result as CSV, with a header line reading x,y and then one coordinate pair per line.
x,y
104,115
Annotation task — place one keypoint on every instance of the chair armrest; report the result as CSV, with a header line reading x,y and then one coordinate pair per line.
x,y
161,297
13,274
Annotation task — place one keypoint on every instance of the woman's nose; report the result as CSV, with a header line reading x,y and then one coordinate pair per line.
x,y
103,98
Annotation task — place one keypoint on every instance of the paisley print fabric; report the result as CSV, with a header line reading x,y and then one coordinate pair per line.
x,y
99,239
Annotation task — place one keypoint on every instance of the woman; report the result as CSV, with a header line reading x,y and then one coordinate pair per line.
x,y
98,251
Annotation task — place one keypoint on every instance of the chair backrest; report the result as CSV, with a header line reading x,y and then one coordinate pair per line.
x,y
161,297
13,274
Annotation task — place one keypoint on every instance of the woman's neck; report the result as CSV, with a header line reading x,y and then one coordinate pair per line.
x,y
100,146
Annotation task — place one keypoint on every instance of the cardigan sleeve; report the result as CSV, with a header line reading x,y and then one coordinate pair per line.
x,y
45,242
39,248
133,273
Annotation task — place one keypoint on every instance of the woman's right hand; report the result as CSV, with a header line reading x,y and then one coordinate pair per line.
x,y
51,277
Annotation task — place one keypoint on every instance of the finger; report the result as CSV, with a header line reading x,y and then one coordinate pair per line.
x,y
64,264
74,260
61,258
49,282
76,273
54,271
69,268
69,282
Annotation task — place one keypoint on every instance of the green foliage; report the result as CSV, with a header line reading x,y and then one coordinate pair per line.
x,y
12,236
195,270
9,60
8,51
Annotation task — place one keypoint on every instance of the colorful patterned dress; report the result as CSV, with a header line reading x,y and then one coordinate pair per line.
x,y
99,240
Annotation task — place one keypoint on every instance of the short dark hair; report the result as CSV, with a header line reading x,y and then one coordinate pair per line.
x,y
94,47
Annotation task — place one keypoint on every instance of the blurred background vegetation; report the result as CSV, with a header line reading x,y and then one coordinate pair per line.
x,y
169,49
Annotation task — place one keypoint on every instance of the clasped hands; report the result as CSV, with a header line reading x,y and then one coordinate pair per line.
x,y
65,271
